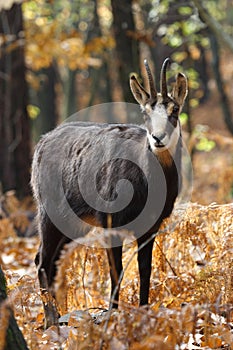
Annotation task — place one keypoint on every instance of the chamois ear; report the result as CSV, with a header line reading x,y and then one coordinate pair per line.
x,y
139,93
180,89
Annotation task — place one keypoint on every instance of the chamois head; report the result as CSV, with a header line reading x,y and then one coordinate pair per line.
x,y
161,110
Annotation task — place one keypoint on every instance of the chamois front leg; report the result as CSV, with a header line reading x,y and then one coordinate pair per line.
x,y
115,263
144,265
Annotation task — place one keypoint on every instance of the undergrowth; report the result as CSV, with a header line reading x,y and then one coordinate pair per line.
x,y
191,300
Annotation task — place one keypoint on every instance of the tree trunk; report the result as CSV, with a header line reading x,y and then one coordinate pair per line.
x,y
127,48
14,122
47,96
219,82
211,32
12,338
71,94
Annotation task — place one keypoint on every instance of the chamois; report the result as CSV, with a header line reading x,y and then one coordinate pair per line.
x,y
82,165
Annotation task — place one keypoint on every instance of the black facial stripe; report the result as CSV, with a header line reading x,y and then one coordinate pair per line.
x,y
153,104
174,116
173,119
170,127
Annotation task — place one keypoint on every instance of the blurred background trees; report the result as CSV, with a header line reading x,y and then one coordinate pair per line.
x,y
57,57
14,121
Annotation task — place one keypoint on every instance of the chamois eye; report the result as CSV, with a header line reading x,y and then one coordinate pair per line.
x,y
175,109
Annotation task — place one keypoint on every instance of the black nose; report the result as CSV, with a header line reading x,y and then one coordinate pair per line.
x,y
158,139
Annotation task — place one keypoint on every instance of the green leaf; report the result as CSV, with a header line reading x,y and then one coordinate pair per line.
x,y
185,10
33,111
205,145
183,118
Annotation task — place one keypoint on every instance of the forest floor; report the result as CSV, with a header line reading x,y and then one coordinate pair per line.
x,y
191,301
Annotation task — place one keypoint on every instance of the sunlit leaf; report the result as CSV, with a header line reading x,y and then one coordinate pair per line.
x,y
33,111
205,145
183,118
185,10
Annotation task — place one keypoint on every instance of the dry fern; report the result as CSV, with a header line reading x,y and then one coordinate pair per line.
x,y
191,289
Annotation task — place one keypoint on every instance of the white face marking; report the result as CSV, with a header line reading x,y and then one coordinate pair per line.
x,y
159,129
158,113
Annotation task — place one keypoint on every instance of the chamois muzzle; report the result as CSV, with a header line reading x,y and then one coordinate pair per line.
x,y
159,140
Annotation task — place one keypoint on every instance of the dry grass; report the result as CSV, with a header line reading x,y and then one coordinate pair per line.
x,y
190,297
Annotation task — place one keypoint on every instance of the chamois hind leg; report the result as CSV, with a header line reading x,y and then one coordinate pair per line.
x,y
52,242
115,263
144,265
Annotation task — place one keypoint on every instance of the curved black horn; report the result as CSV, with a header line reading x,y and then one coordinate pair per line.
x,y
163,79
153,92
